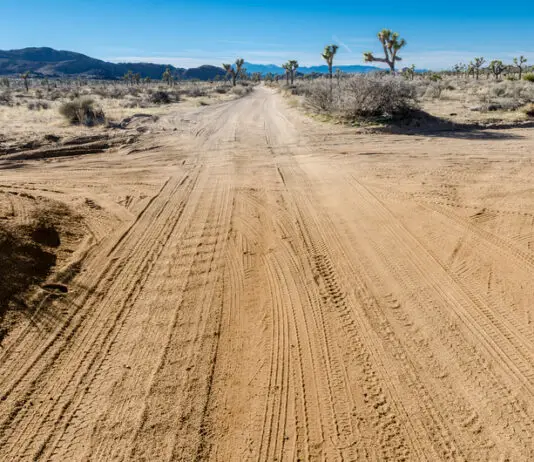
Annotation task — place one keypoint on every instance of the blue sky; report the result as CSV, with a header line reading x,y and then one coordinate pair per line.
x,y
188,34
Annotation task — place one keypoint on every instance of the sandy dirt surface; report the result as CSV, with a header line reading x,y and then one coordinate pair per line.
x,y
254,285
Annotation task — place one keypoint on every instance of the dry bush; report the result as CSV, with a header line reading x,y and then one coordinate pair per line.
x,y
82,112
221,90
319,96
55,95
37,105
529,110
433,91
241,90
362,96
160,97
5,98
194,92
132,103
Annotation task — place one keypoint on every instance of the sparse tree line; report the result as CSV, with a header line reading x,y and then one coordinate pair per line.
x,y
496,68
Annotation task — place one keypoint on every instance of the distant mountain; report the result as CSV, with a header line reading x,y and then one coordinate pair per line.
x,y
47,62
274,69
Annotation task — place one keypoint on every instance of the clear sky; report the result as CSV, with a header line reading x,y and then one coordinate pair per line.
x,y
187,34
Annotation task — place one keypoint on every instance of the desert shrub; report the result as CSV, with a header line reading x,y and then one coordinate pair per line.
x,y
374,96
529,77
132,103
195,92
134,91
319,96
241,90
160,97
74,94
55,95
82,112
433,91
362,96
221,90
37,105
5,98
529,110
294,90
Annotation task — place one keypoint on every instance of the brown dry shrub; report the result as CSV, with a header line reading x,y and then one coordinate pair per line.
x,y
82,112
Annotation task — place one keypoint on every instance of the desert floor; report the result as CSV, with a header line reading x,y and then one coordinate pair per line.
x,y
246,283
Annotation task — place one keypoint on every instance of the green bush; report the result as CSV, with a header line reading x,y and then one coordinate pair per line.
x,y
82,112
529,77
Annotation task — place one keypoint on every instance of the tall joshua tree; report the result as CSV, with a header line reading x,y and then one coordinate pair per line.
x,y
167,77
477,65
328,55
391,43
497,67
25,78
285,66
291,67
519,63
234,71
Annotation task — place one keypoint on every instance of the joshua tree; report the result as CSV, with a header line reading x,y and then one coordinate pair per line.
x,y
409,72
5,82
477,65
519,63
269,77
25,77
391,43
128,78
234,72
470,69
167,77
147,80
497,68
328,55
285,66
459,68
291,67
242,74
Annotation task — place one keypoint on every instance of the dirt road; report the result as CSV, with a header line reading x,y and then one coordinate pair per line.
x,y
258,286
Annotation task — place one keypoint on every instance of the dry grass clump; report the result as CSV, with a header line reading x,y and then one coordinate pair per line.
x,y
160,97
529,110
195,92
361,96
242,90
5,98
82,112
37,105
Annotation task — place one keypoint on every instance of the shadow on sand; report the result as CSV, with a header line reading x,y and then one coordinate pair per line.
x,y
421,123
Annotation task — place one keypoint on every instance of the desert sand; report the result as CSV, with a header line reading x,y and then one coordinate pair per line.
x,y
252,284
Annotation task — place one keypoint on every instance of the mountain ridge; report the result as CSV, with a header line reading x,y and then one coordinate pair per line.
x,y
49,62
